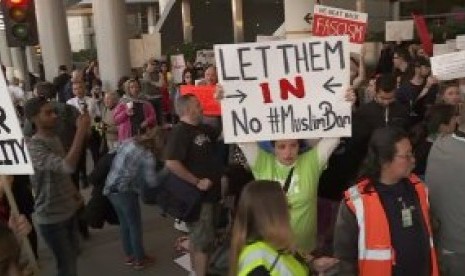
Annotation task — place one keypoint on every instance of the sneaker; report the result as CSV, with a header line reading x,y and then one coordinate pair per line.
x,y
181,226
146,262
129,261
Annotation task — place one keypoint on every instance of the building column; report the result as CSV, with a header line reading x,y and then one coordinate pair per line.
x,y
162,5
238,22
151,18
186,20
361,5
5,55
17,61
295,12
32,61
396,11
54,37
112,41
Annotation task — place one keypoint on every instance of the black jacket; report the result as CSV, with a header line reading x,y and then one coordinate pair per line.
x,y
99,209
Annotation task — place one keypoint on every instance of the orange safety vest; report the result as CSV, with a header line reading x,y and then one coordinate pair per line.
x,y
376,255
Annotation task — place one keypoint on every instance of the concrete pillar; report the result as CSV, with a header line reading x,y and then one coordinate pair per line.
x,y
186,20
396,11
32,61
112,41
294,18
53,35
162,5
238,22
5,55
361,5
17,60
151,18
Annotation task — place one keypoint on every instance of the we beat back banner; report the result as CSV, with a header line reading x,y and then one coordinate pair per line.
x,y
329,21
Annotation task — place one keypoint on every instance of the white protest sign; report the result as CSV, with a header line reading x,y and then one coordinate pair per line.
x,y
178,64
449,66
399,30
136,53
441,49
460,40
329,21
290,89
14,156
205,58
452,44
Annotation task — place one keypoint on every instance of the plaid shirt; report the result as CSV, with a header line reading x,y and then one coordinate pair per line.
x,y
132,167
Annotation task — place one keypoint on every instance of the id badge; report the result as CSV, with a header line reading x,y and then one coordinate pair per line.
x,y
407,220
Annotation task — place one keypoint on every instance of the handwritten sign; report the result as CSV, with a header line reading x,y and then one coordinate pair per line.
x,y
205,58
460,40
329,21
14,156
285,89
441,49
399,30
449,66
205,95
178,64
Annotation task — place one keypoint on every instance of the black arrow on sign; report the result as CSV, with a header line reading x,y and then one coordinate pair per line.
x,y
329,85
241,95
308,18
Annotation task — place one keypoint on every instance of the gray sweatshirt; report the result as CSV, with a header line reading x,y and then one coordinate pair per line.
x,y
56,198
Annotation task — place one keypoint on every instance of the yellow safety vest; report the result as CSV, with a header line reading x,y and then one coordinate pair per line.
x,y
261,254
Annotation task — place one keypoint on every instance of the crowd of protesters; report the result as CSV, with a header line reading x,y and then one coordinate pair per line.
x,y
386,201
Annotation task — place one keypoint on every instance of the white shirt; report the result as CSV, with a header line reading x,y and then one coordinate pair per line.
x,y
16,93
92,107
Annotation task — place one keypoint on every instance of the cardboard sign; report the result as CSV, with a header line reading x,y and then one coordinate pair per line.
x,y
441,49
329,21
449,66
205,94
290,89
178,64
399,30
14,156
460,40
205,58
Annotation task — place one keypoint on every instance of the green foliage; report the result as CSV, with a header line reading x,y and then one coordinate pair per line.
x,y
85,55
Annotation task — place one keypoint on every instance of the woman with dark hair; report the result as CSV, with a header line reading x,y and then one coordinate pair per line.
x,y
383,225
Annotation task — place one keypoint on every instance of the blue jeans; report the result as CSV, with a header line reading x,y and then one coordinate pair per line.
x,y
62,239
127,208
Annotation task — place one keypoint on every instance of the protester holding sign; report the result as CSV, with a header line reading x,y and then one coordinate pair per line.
x,y
302,171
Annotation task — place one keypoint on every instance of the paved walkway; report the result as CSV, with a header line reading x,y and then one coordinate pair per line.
x,y
102,254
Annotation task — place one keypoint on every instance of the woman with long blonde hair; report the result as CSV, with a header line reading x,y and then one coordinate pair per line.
x,y
262,240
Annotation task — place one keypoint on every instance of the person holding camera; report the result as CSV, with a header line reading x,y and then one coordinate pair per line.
x,y
133,115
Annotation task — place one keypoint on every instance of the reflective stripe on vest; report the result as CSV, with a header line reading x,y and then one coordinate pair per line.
x,y
363,252
379,261
261,254
267,258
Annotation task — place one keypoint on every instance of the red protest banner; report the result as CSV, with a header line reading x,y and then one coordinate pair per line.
x,y
423,33
205,95
329,21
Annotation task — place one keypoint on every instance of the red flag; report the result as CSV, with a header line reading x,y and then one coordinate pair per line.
x,y
423,33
